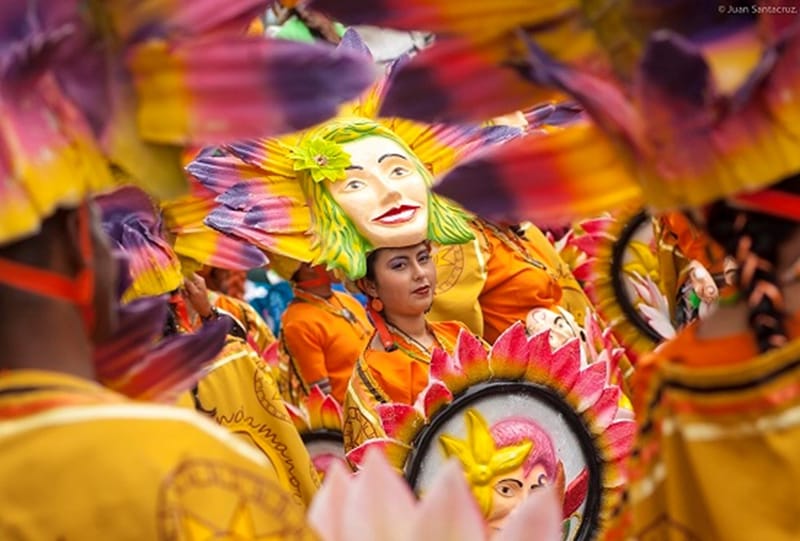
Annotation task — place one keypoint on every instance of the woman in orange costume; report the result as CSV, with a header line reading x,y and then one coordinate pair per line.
x,y
394,367
322,334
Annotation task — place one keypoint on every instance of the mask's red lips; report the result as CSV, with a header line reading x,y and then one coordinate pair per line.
x,y
397,215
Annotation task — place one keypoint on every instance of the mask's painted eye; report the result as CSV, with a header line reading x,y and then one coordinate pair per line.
x,y
508,488
354,185
541,481
399,172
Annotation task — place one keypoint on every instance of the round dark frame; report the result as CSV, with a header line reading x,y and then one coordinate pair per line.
x,y
617,284
323,434
424,439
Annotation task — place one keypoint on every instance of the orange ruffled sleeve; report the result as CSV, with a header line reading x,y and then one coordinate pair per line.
x,y
513,287
320,345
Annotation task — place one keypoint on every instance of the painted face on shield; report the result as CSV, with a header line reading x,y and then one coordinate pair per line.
x,y
384,193
558,323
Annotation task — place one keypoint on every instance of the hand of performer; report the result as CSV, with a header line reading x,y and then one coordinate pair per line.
x,y
195,292
703,283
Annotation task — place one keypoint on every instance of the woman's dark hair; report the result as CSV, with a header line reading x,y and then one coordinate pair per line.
x,y
171,322
370,274
753,239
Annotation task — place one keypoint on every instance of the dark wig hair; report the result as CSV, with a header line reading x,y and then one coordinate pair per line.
x,y
753,239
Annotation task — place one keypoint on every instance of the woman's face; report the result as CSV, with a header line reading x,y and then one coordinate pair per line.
x,y
384,194
405,279
510,490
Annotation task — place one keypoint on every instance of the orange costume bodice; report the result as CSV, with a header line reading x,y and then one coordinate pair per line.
x,y
390,376
321,339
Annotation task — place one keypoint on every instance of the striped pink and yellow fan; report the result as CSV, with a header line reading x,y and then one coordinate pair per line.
x,y
131,83
687,102
676,137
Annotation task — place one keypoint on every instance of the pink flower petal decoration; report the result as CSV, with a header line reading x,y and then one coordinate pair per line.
x,y
566,362
394,451
590,384
575,493
435,396
298,417
587,244
618,438
400,421
447,369
596,226
472,357
605,408
508,358
331,414
583,272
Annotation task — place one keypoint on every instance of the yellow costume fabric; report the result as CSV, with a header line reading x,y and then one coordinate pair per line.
x,y
152,472
241,395
381,376
318,342
494,281
718,437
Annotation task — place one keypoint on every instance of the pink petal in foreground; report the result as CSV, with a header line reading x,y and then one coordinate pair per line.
x,y
596,226
540,357
383,501
538,518
326,514
448,511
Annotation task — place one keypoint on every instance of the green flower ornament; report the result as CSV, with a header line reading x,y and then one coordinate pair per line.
x,y
324,160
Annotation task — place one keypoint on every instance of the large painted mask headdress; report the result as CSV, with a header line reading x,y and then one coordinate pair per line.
x,y
332,194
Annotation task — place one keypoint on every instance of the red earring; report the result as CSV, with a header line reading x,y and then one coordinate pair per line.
x,y
376,304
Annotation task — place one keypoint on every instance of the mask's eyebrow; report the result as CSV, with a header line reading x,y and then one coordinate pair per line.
x,y
352,167
515,481
385,156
